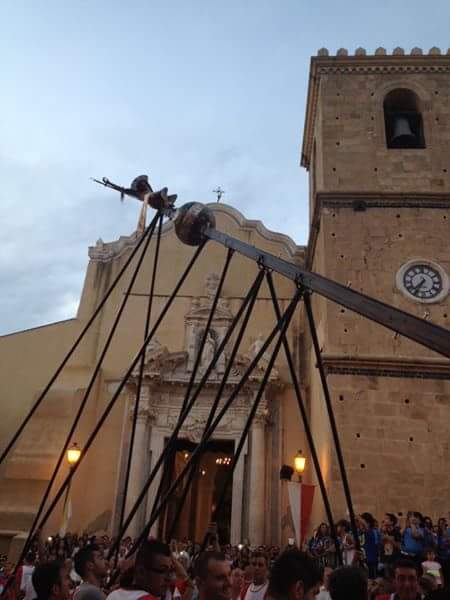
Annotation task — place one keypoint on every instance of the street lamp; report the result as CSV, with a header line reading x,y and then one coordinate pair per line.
x,y
299,464
73,454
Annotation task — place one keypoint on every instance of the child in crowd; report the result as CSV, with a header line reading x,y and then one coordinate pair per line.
x,y
432,567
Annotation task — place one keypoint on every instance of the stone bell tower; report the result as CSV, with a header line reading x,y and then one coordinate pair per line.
x,y
377,148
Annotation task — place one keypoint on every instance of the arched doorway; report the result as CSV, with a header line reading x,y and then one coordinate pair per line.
x,y
204,493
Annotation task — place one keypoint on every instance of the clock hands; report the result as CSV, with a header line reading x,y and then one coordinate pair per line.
x,y
417,287
423,282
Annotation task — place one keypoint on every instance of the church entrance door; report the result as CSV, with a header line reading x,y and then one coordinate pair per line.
x,y
210,475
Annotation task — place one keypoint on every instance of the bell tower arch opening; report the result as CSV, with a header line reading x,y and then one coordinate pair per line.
x,y
403,120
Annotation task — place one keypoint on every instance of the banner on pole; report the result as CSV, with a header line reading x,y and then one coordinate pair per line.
x,y
301,496
67,515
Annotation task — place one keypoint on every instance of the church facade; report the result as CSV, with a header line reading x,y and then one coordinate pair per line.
x,y
377,148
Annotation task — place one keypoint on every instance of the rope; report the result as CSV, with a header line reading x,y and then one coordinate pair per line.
x,y
141,373
217,399
85,398
289,314
119,389
334,431
173,437
44,392
304,416
200,448
195,368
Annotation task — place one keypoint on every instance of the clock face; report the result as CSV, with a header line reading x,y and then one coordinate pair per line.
x,y
422,281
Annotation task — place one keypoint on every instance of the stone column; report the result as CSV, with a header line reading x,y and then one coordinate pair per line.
x,y
257,472
138,470
156,448
237,498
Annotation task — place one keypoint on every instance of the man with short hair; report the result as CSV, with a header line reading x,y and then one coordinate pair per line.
x,y
213,576
51,581
294,576
153,571
91,566
406,582
258,588
348,583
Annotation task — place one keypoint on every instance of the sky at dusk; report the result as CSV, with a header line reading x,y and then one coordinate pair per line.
x,y
194,93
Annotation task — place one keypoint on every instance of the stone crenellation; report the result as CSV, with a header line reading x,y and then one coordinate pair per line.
x,y
398,51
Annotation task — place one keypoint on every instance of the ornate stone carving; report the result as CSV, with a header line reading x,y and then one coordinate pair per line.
x,y
106,251
194,426
263,362
211,285
174,368
209,350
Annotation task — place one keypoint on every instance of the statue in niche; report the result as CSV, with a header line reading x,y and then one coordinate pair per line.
x,y
209,350
211,285
255,348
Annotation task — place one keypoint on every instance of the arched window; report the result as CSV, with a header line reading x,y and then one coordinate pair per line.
x,y
403,120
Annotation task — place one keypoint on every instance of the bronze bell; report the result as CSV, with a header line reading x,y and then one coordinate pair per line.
x,y
403,136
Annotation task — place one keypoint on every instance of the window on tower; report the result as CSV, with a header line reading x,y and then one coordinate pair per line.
x,y
403,120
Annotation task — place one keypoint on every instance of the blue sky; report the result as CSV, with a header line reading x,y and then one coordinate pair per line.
x,y
195,93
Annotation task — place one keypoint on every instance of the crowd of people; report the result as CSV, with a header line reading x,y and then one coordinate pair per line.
x,y
383,544
387,563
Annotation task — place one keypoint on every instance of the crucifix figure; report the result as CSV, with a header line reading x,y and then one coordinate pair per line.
x,y
220,192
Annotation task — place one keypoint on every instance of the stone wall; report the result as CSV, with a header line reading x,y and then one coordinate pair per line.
x,y
373,210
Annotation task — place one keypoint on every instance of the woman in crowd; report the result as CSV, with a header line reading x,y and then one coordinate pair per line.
x,y
321,547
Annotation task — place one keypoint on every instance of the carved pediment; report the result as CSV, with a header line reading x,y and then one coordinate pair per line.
x,y
242,362
194,426
159,361
176,367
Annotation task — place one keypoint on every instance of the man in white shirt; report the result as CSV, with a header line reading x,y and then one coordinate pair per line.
x,y
258,588
152,574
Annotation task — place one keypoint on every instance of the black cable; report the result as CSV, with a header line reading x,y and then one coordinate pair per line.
x,y
88,390
207,328
252,413
196,364
334,431
304,416
140,377
44,392
173,437
191,473
120,387
200,448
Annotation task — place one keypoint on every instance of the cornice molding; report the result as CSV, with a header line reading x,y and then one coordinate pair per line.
x,y
373,366
108,251
362,201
